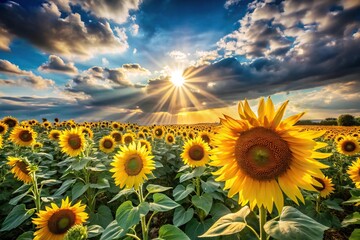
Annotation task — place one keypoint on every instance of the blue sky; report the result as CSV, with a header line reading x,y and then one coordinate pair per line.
x,y
116,60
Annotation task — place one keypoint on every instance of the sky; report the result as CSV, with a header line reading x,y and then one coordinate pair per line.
x,y
177,61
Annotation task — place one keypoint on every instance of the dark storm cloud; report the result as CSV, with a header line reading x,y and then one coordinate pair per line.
x,y
68,35
56,64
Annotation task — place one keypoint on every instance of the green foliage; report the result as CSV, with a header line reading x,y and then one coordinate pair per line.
x,y
346,120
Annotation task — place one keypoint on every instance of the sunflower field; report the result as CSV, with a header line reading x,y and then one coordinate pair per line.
x,y
259,176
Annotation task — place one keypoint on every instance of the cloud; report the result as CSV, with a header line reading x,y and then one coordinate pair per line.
x,y
135,68
56,64
178,56
5,39
134,29
118,11
22,77
229,3
66,35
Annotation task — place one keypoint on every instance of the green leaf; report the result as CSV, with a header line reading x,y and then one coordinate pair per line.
x,y
294,225
127,215
197,172
180,192
102,183
94,230
16,217
355,235
181,216
333,204
26,236
124,192
50,182
194,228
170,232
218,210
79,164
113,231
156,188
162,203
209,186
16,199
203,202
353,218
102,217
78,189
64,186
228,224
45,155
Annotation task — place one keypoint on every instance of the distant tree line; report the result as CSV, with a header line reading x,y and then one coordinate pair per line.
x,y
342,120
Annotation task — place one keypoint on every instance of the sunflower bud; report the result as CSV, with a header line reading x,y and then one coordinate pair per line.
x,y
77,232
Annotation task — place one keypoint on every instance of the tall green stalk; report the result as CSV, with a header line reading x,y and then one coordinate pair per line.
x,y
262,221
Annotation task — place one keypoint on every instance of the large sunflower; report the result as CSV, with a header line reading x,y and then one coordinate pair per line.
x,y
261,156
348,146
10,121
3,128
354,172
196,152
327,187
23,136
131,165
107,144
20,169
53,223
72,142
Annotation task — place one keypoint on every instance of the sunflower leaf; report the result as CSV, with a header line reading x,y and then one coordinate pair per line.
x,y
169,231
127,215
353,218
355,234
197,172
228,224
16,217
203,202
152,188
162,203
294,225
181,216
180,192
64,186
94,230
112,231
78,189
26,236
124,192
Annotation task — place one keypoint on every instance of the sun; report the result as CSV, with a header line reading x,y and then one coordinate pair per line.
x,y
177,79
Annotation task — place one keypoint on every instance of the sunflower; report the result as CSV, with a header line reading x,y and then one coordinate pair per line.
x,y
158,132
20,169
354,172
348,146
116,135
72,142
259,157
206,137
3,128
131,165
37,145
128,138
339,137
115,125
170,138
23,136
327,187
87,132
107,144
10,121
53,223
54,134
147,144
196,152
141,135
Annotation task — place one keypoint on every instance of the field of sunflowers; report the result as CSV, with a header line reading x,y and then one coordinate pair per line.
x,y
255,177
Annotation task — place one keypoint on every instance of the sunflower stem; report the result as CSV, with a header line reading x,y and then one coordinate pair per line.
x,y
36,192
198,186
318,201
144,227
262,221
